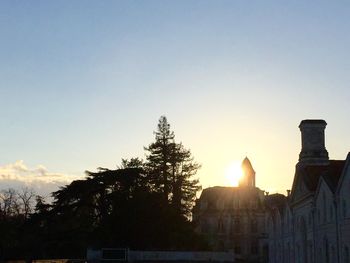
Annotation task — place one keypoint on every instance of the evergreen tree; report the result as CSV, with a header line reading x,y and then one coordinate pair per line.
x,y
171,168
158,159
184,187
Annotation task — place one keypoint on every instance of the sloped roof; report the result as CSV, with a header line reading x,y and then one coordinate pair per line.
x,y
219,192
346,167
226,194
275,200
331,173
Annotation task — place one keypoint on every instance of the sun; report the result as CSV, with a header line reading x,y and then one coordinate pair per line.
x,y
233,173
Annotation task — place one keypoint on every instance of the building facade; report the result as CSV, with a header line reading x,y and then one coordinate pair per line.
x,y
233,218
312,224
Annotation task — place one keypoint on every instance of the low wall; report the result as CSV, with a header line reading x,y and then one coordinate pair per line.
x,y
161,256
181,256
47,261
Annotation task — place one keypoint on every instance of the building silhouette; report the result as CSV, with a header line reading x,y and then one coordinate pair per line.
x,y
311,224
233,218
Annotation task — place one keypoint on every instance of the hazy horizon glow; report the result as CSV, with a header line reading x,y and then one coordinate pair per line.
x,y
83,83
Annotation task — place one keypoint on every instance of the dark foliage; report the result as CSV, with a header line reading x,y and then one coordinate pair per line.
x,y
139,206
171,167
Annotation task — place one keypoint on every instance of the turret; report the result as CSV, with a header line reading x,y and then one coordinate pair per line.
x,y
248,177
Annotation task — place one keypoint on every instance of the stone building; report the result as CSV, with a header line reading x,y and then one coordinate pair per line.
x,y
233,218
312,223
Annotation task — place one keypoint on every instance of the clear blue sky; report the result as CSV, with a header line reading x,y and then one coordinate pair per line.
x,y
83,83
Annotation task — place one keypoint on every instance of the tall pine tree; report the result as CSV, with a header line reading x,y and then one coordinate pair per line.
x,y
171,168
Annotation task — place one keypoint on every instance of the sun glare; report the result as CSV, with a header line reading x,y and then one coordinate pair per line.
x,y
233,173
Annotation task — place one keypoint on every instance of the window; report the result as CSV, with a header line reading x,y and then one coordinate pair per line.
x,y
228,205
236,204
331,211
324,207
232,228
346,255
310,219
237,249
254,204
333,254
237,225
211,205
326,250
310,253
254,248
253,226
344,208
220,226
205,227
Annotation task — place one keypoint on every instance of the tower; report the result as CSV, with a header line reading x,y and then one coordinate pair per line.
x,y
248,177
313,148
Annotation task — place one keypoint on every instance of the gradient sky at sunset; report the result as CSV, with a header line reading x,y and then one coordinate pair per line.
x,y
83,84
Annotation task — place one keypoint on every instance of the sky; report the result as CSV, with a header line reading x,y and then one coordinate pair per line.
x,y
83,84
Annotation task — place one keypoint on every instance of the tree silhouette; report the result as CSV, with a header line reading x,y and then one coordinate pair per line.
x,y
140,205
171,168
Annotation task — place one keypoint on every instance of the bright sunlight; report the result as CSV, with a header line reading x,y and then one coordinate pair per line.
x,y
233,173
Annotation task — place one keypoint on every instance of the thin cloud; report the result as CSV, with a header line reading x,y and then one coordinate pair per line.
x,y
18,175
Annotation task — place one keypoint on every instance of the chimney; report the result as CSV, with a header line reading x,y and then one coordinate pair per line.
x,y
313,148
